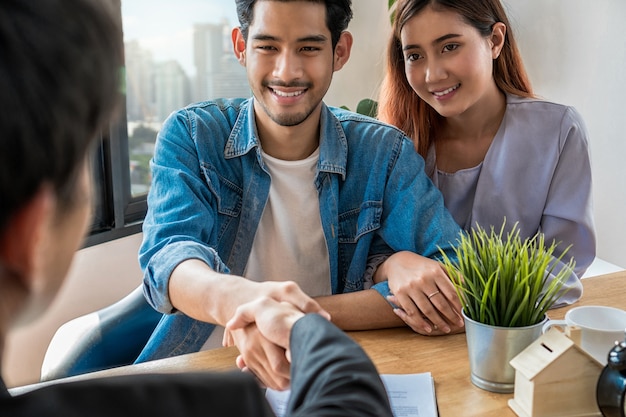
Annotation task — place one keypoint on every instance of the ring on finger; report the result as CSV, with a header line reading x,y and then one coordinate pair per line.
x,y
433,294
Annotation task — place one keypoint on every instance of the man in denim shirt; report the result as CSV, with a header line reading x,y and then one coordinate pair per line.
x,y
281,187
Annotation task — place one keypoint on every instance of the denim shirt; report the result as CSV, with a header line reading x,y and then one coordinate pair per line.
x,y
210,187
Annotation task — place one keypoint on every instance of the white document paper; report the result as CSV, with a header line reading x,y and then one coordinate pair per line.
x,y
410,395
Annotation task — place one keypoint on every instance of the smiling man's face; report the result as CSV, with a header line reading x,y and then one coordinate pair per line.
x,y
289,60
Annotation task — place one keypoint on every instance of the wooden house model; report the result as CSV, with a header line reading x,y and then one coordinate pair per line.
x,y
555,377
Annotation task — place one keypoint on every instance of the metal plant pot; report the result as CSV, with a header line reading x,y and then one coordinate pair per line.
x,y
491,348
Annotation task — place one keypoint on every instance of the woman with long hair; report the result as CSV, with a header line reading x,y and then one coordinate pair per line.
x,y
456,84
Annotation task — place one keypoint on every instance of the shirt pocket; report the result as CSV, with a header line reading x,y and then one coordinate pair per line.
x,y
227,194
355,223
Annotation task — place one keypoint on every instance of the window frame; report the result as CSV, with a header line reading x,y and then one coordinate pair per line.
x,y
116,213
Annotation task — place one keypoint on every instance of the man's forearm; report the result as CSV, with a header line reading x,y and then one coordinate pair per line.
x,y
209,296
203,294
206,295
360,310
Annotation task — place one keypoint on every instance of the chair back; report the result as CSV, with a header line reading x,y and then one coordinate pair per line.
x,y
110,337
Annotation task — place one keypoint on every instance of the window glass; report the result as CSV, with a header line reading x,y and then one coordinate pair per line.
x,y
176,53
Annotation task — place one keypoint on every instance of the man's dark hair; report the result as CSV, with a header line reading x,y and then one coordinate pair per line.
x,y
60,66
338,15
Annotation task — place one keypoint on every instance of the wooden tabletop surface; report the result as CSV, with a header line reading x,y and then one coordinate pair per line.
x,y
401,351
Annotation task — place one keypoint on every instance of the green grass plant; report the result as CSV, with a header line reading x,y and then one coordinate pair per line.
x,y
503,280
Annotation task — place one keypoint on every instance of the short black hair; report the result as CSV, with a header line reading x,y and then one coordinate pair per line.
x,y
60,83
338,15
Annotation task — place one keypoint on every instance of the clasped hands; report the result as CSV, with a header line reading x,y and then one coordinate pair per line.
x,y
424,295
261,329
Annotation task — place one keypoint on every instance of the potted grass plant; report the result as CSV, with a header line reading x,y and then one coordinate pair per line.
x,y
505,284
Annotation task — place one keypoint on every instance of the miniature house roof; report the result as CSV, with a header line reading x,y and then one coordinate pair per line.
x,y
546,350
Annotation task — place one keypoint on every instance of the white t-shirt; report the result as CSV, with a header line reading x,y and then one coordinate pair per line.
x,y
289,244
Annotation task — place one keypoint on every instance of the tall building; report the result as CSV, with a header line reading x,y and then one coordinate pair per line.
x,y
232,81
207,51
218,73
139,82
171,87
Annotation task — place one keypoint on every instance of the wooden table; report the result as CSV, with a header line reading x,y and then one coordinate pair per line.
x,y
401,351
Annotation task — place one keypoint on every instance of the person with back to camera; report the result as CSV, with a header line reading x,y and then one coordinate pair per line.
x,y
456,84
282,187
59,87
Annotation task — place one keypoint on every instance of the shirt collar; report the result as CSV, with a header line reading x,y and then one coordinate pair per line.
x,y
333,143
243,136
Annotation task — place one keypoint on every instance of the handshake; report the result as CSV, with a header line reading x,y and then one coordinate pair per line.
x,y
261,330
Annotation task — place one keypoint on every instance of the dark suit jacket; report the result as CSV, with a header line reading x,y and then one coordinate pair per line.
x,y
330,376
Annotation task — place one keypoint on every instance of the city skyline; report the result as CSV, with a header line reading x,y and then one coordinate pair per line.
x,y
174,56
167,30
155,88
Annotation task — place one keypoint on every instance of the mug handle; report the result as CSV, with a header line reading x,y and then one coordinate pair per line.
x,y
562,324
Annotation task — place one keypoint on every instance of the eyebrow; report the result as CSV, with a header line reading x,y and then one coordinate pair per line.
x,y
311,38
435,42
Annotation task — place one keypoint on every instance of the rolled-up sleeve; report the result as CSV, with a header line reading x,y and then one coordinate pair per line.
x,y
181,211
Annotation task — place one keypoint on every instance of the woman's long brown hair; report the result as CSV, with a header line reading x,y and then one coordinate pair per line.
x,y
400,106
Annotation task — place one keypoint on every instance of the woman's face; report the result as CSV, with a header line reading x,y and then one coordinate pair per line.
x,y
448,63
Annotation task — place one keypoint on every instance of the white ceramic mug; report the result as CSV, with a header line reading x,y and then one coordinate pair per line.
x,y
600,328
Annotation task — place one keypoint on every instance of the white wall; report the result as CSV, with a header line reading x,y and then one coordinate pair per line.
x,y
575,52
362,74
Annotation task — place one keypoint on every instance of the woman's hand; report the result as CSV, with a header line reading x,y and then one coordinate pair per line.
x,y
425,296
